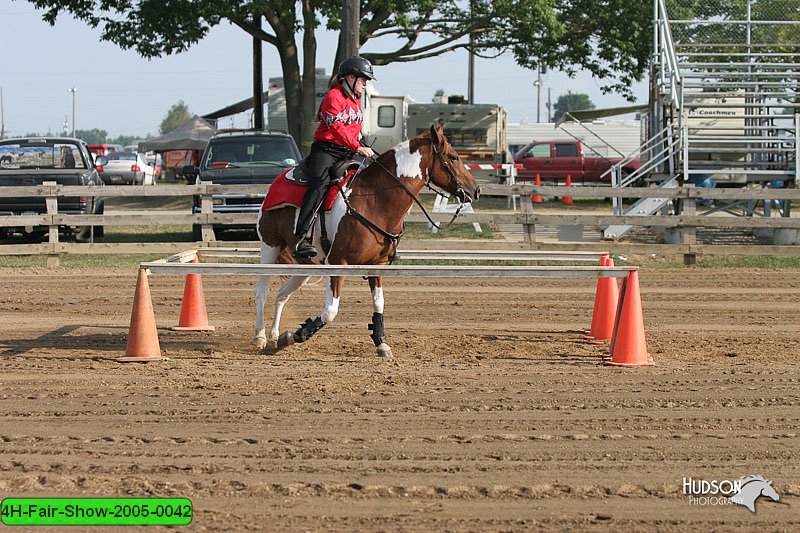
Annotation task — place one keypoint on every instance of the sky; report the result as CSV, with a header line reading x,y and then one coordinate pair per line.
x,y
124,94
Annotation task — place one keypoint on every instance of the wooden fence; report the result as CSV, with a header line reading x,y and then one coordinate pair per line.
x,y
684,224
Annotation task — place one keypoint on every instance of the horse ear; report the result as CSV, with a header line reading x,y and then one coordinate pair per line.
x,y
436,134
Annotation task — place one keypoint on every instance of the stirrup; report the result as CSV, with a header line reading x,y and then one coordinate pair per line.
x,y
304,249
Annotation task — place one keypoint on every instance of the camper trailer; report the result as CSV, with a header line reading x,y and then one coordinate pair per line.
x,y
479,132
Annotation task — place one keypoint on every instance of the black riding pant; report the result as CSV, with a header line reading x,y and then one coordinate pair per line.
x,y
323,156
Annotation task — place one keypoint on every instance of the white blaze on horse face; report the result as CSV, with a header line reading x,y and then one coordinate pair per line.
x,y
408,163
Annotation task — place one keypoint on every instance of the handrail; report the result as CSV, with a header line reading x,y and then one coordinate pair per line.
x,y
664,31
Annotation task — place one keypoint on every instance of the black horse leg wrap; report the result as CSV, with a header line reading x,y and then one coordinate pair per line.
x,y
307,329
378,333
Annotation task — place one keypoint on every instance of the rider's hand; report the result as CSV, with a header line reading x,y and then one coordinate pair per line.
x,y
366,151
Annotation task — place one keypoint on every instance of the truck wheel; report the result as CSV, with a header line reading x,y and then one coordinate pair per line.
x,y
84,233
99,231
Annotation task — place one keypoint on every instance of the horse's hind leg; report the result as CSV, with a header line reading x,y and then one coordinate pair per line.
x,y
269,255
378,333
329,312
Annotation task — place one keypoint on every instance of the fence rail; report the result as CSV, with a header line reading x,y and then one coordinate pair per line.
x,y
527,217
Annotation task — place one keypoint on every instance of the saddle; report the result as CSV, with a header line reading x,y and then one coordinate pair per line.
x,y
290,187
300,174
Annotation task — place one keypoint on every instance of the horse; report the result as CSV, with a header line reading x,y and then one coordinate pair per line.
x,y
751,488
364,227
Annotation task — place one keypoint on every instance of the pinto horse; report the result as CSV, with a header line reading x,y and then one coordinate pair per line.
x,y
364,226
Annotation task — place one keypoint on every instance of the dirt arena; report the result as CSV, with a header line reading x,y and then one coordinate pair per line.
x,y
492,415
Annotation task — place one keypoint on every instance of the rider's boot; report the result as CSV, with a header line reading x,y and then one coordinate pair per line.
x,y
311,203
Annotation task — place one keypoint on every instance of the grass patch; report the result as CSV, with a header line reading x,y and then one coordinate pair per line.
x,y
78,261
755,261
421,231
171,233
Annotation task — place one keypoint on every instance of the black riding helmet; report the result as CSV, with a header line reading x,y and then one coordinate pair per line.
x,y
357,66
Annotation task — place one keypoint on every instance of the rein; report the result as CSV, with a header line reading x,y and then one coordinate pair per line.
x,y
394,238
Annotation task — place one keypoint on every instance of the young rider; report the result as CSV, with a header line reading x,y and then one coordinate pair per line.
x,y
337,138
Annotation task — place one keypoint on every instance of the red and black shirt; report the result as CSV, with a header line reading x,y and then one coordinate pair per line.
x,y
340,118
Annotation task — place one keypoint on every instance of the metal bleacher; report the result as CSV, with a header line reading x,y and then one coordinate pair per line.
x,y
725,102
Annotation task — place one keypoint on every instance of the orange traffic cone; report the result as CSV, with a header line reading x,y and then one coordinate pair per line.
x,y
193,309
143,344
587,333
628,346
568,199
605,307
536,198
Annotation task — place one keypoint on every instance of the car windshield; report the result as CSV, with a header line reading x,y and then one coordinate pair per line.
x,y
41,155
250,152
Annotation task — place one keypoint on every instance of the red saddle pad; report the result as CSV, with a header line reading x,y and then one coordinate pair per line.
x,y
284,193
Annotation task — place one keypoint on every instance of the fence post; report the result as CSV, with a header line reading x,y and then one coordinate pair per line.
x,y
51,202
689,235
206,208
528,230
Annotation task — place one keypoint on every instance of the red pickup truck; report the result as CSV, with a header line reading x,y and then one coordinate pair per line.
x,y
554,160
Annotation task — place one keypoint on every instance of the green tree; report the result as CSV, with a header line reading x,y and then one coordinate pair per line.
x,y
609,38
93,136
571,102
127,140
177,116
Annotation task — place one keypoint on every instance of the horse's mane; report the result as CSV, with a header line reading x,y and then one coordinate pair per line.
x,y
383,159
749,479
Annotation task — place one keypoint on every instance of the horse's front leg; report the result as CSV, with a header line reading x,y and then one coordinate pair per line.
x,y
333,288
378,333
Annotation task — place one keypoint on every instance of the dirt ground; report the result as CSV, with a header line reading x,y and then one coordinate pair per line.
x,y
493,414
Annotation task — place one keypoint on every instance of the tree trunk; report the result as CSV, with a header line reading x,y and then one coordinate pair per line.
x,y
309,93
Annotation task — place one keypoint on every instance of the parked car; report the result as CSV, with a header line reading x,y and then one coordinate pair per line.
x,y
242,157
104,149
154,160
555,160
35,160
127,168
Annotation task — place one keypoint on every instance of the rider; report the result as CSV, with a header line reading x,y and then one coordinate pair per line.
x,y
337,138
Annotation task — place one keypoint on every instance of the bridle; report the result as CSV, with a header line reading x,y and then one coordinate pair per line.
x,y
395,237
460,193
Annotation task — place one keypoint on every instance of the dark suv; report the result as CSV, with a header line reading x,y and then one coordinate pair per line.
x,y
242,157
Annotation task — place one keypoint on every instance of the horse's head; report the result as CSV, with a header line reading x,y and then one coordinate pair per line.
x,y
448,172
768,491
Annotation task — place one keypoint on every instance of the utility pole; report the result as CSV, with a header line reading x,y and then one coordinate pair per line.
x,y
2,117
258,78
538,85
549,106
73,90
471,71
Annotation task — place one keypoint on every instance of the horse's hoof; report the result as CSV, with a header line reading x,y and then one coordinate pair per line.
x,y
384,350
287,339
272,344
260,342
